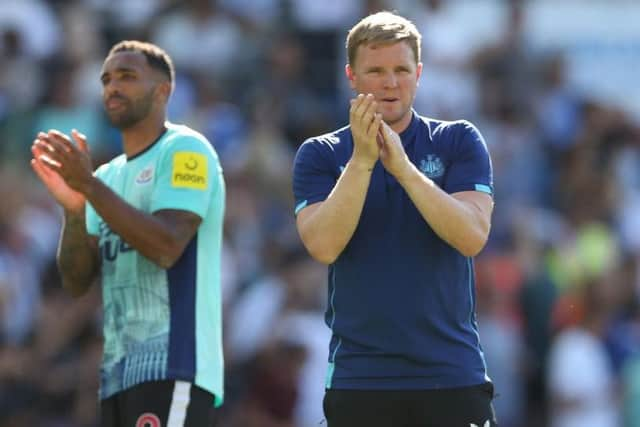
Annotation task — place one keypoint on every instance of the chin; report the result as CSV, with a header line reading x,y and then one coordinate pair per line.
x,y
118,124
122,122
394,117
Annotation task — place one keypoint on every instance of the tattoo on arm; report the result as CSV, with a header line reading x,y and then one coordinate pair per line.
x,y
77,255
183,226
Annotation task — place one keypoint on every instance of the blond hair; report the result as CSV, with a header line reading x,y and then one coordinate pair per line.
x,y
383,28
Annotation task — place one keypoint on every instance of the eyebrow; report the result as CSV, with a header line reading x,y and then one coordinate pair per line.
x,y
118,70
379,68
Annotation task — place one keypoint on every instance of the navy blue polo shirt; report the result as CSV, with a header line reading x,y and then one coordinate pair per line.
x,y
401,301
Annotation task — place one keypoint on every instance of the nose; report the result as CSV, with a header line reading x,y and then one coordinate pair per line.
x,y
110,88
390,80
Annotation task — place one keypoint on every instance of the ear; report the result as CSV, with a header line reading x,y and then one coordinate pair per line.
x,y
164,90
418,73
350,75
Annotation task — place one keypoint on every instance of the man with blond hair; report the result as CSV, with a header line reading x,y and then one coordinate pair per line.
x,y
397,205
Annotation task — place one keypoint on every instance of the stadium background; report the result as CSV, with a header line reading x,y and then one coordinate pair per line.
x,y
552,85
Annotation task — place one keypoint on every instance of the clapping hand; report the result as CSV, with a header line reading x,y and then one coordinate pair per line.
x,y
392,154
64,167
365,124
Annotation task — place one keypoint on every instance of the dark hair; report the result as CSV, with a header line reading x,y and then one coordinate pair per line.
x,y
157,58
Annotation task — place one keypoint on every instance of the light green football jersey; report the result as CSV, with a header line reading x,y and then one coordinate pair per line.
x,y
164,323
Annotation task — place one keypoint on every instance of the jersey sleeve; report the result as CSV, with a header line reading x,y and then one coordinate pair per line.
x,y
470,168
185,176
313,175
91,216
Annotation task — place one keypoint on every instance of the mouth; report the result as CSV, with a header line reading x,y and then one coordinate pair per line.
x,y
388,100
114,103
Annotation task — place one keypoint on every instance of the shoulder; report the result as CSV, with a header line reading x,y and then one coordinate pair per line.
x,y
330,140
332,145
111,166
178,133
457,135
450,129
183,138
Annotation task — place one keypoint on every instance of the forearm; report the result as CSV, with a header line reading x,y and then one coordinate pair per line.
x,y
461,225
76,257
146,233
328,230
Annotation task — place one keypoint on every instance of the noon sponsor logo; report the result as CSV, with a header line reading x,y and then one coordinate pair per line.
x,y
188,178
189,170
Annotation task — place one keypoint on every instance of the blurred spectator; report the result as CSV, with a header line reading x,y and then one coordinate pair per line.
x,y
61,109
293,103
534,232
557,107
324,16
499,281
221,122
632,393
200,36
582,387
20,81
26,15
449,89
124,16
263,14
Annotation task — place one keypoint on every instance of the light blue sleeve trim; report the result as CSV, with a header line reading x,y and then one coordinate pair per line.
x,y
330,370
300,206
484,188
217,401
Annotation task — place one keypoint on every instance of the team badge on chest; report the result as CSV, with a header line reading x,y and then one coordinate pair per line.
x,y
145,176
432,166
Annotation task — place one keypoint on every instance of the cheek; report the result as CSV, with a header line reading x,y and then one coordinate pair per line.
x,y
409,86
366,80
367,86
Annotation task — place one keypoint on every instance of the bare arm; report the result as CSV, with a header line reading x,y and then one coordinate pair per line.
x,y
327,227
161,237
463,219
78,258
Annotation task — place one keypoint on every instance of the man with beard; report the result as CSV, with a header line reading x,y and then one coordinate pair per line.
x,y
149,224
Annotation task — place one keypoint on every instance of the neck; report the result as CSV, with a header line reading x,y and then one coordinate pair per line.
x,y
402,124
144,133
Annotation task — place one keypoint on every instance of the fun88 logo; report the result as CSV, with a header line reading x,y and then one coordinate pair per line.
x,y
111,244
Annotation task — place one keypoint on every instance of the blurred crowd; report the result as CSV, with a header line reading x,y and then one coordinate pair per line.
x,y
558,284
